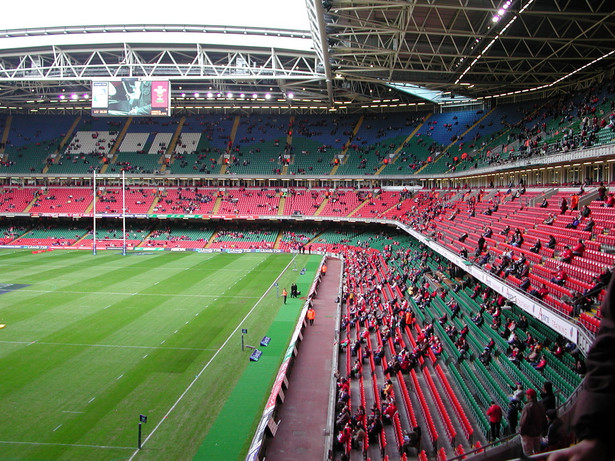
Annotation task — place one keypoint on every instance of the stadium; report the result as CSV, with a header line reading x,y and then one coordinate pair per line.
x,y
305,230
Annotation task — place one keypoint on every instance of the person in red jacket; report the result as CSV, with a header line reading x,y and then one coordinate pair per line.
x,y
559,276
566,254
388,413
494,413
579,248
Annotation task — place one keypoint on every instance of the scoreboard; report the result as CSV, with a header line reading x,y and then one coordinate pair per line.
x,y
131,97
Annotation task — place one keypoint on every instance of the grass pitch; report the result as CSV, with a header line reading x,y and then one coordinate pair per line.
x,y
92,342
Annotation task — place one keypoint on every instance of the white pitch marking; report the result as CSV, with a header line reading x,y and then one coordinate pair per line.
x,y
115,346
57,427
119,377
91,400
11,442
181,397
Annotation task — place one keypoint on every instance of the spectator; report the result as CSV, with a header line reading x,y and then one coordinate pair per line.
x,y
574,202
344,437
389,411
547,397
563,205
494,413
411,440
589,225
559,276
358,437
601,192
536,247
541,364
374,428
480,245
387,390
579,248
539,293
513,415
556,437
566,254
551,243
311,315
532,423
574,223
549,220
485,356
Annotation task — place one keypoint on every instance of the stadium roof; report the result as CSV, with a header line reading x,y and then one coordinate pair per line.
x,y
322,54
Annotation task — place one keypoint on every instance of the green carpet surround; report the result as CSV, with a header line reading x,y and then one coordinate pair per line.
x,y
92,342
231,434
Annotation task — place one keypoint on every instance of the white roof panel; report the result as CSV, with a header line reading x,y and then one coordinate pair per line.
x,y
275,14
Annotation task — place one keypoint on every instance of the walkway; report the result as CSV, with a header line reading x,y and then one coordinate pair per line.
x,y
303,416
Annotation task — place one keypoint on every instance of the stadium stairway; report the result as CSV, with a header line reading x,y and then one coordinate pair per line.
x,y
357,208
281,205
114,149
402,145
453,143
289,136
77,243
217,205
278,239
145,239
410,136
30,205
233,134
173,143
89,209
347,145
57,155
154,205
322,206
211,240
119,139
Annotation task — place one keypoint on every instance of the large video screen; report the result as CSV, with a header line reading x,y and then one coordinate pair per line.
x,y
131,97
